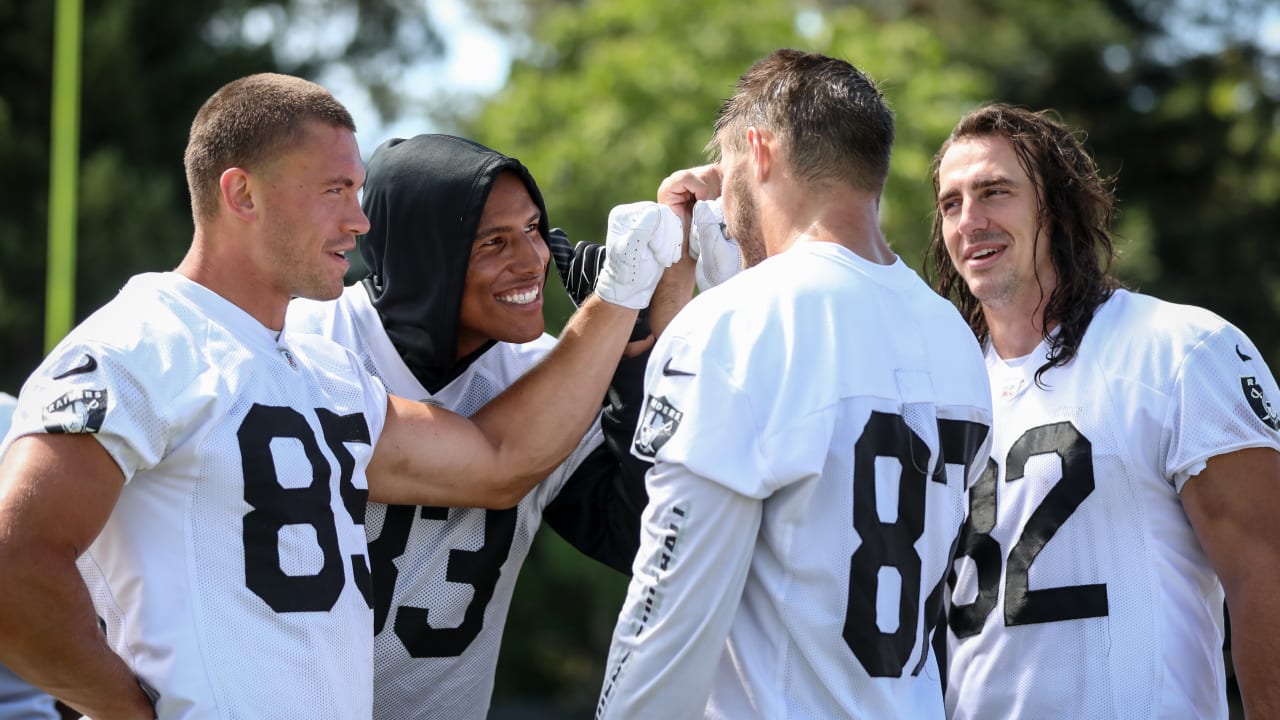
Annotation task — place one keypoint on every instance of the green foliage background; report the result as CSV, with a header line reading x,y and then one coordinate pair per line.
x,y
606,97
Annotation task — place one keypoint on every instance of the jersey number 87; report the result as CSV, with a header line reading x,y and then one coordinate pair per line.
x,y
885,654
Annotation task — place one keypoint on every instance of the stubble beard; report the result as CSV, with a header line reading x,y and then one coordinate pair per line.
x,y
745,227
306,277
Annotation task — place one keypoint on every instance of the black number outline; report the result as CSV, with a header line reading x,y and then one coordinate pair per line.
x,y
480,568
1023,605
893,544
275,506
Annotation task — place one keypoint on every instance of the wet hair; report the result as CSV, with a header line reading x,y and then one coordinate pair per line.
x,y
249,122
1076,209
829,117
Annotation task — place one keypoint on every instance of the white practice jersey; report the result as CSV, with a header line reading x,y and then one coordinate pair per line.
x,y
815,422
1081,590
443,577
231,575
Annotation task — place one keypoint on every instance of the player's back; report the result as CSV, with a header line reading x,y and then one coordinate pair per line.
x,y
855,378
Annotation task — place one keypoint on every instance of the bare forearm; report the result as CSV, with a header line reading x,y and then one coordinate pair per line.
x,y
673,292
1232,506
49,636
1255,645
538,421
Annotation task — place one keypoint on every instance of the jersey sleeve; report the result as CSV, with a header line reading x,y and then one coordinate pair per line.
x,y
750,440
92,389
1221,402
697,538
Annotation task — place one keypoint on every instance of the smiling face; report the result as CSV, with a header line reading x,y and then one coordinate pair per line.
x,y
502,297
311,210
990,225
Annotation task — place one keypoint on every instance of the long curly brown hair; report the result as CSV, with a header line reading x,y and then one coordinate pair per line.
x,y
1076,208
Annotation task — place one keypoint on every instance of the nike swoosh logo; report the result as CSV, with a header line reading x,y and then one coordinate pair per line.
x,y
88,366
669,371
1243,357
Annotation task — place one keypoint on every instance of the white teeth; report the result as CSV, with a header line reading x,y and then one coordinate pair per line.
x,y
983,253
520,298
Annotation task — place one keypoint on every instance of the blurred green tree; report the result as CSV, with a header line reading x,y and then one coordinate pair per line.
x,y
147,65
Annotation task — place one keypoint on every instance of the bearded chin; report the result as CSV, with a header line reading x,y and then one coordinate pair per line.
x,y
745,227
753,252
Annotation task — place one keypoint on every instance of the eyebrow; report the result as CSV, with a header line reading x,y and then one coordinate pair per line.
x,y
979,184
341,180
494,229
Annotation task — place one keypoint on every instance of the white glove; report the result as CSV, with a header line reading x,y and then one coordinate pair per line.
x,y
717,254
644,238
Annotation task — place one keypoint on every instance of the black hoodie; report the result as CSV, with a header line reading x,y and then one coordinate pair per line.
x,y
433,188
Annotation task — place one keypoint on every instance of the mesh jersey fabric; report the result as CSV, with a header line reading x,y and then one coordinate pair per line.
x,y
1081,590
231,575
443,577
802,508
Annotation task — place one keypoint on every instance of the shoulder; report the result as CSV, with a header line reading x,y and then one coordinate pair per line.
x,y
1161,319
1155,343
146,327
1131,322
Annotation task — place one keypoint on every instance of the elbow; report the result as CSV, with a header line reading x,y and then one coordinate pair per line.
x,y
507,492
507,495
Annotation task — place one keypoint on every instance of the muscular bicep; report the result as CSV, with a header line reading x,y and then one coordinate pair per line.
x,y
429,456
1233,505
56,492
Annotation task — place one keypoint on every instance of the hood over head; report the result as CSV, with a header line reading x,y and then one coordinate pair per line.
x,y
424,197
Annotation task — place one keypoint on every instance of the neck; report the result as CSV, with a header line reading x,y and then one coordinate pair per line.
x,y
214,263
1015,332
842,216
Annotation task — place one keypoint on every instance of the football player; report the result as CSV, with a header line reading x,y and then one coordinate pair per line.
x,y
451,314
192,474
1134,475
814,422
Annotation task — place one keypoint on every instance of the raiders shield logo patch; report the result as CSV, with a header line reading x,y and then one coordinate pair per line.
x,y
79,411
1261,406
656,427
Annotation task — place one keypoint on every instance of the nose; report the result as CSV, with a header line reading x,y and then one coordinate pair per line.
x,y
971,218
532,253
357,222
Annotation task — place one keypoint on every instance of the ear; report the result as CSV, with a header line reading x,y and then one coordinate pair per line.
x,y
236,188
760,143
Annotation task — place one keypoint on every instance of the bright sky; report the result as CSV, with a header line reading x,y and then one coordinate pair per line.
x,y
476,61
